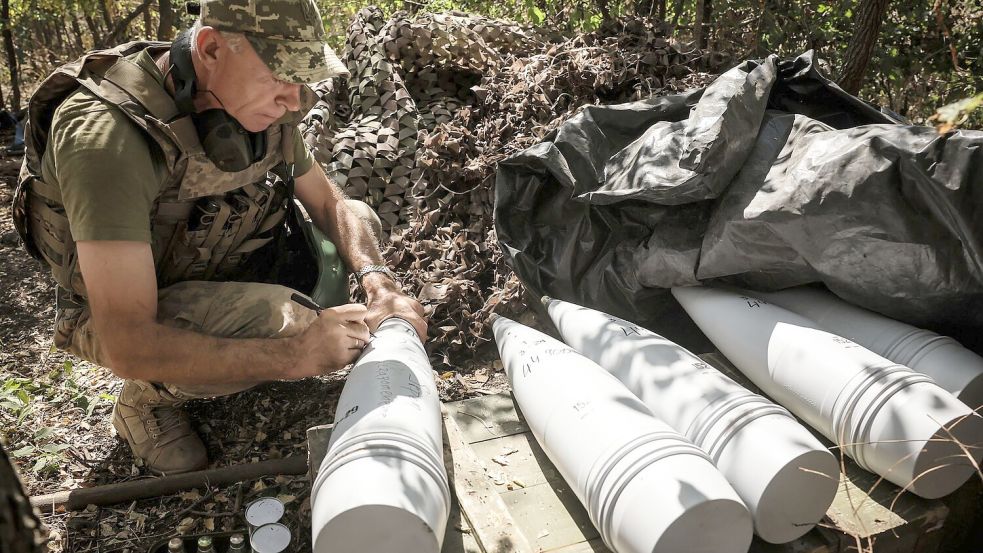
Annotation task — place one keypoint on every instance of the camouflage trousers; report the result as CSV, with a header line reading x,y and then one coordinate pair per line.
x,y
223,309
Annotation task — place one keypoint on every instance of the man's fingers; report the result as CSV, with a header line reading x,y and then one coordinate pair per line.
x,y
358,331
352,312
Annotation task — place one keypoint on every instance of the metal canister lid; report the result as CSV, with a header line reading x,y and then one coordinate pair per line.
x,y
264,511
270,538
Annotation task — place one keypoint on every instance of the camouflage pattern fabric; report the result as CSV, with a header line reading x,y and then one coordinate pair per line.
x,y
407,76
288,35
372,156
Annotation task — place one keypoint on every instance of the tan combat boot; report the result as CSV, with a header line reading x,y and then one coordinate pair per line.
x,y
157,429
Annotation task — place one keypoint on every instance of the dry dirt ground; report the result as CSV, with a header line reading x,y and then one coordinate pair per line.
x,y
55,410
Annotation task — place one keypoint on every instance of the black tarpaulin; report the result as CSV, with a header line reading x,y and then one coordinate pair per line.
x,y
770,177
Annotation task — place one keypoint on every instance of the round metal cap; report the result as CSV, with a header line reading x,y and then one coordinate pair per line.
x,y
264,511
270,538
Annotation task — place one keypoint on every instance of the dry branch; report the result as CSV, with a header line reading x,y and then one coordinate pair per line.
x,y
110,494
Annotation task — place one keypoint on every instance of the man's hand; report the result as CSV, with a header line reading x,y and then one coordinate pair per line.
x,y
386,301
334,339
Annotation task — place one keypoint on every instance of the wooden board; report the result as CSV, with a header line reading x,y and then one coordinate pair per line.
x,y
543,507
481,507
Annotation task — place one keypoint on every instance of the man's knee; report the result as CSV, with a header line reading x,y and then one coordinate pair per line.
x,y
367,214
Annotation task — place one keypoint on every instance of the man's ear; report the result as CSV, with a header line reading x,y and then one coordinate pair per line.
x,y
208,42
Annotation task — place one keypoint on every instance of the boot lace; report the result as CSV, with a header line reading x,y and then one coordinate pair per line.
x,y
168,418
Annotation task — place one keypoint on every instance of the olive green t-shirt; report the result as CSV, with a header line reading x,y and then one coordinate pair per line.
x,y
108,170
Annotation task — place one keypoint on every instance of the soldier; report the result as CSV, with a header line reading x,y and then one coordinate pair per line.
x,y
158,185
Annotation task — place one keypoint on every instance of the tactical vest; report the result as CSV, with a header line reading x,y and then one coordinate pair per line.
x,y
205,222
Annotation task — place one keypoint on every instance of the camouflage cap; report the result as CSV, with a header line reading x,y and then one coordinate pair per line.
x,y
288,35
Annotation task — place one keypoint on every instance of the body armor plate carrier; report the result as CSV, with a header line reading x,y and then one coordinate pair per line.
x,y
205,222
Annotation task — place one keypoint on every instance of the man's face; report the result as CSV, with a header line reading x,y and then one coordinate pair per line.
x,y
249,91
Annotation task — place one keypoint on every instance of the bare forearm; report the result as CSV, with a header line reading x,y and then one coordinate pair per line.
x,y
351,235
160,353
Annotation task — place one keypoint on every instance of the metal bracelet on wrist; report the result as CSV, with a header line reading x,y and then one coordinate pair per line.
x,y
374,269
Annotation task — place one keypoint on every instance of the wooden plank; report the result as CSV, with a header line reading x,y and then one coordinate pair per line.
x,y
550,516
593,546
317,447
487,418
483,508
459,537
516,461
817,540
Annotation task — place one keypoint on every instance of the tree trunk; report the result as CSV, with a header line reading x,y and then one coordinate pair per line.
x,y
147,23
867,25
8,45
698,23
643,8
77,31
165,25
708,27
662,9
677,11
53,29
602,6
93,27
20,530
107,16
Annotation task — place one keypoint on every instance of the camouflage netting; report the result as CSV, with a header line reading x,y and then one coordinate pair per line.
x,y
433,103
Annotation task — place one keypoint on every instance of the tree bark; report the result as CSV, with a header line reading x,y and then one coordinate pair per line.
x,y
107,16
165,26
677,11
867,25
20,530
602,6
124,492
8,45
94,29
77,31
698,23
54,30
662,9
147,23
707,23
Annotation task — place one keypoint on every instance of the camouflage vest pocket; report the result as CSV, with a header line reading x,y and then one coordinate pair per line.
x,y
221,233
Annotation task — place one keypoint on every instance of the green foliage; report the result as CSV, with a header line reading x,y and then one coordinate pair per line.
x,y
957,113
16,395
61,389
